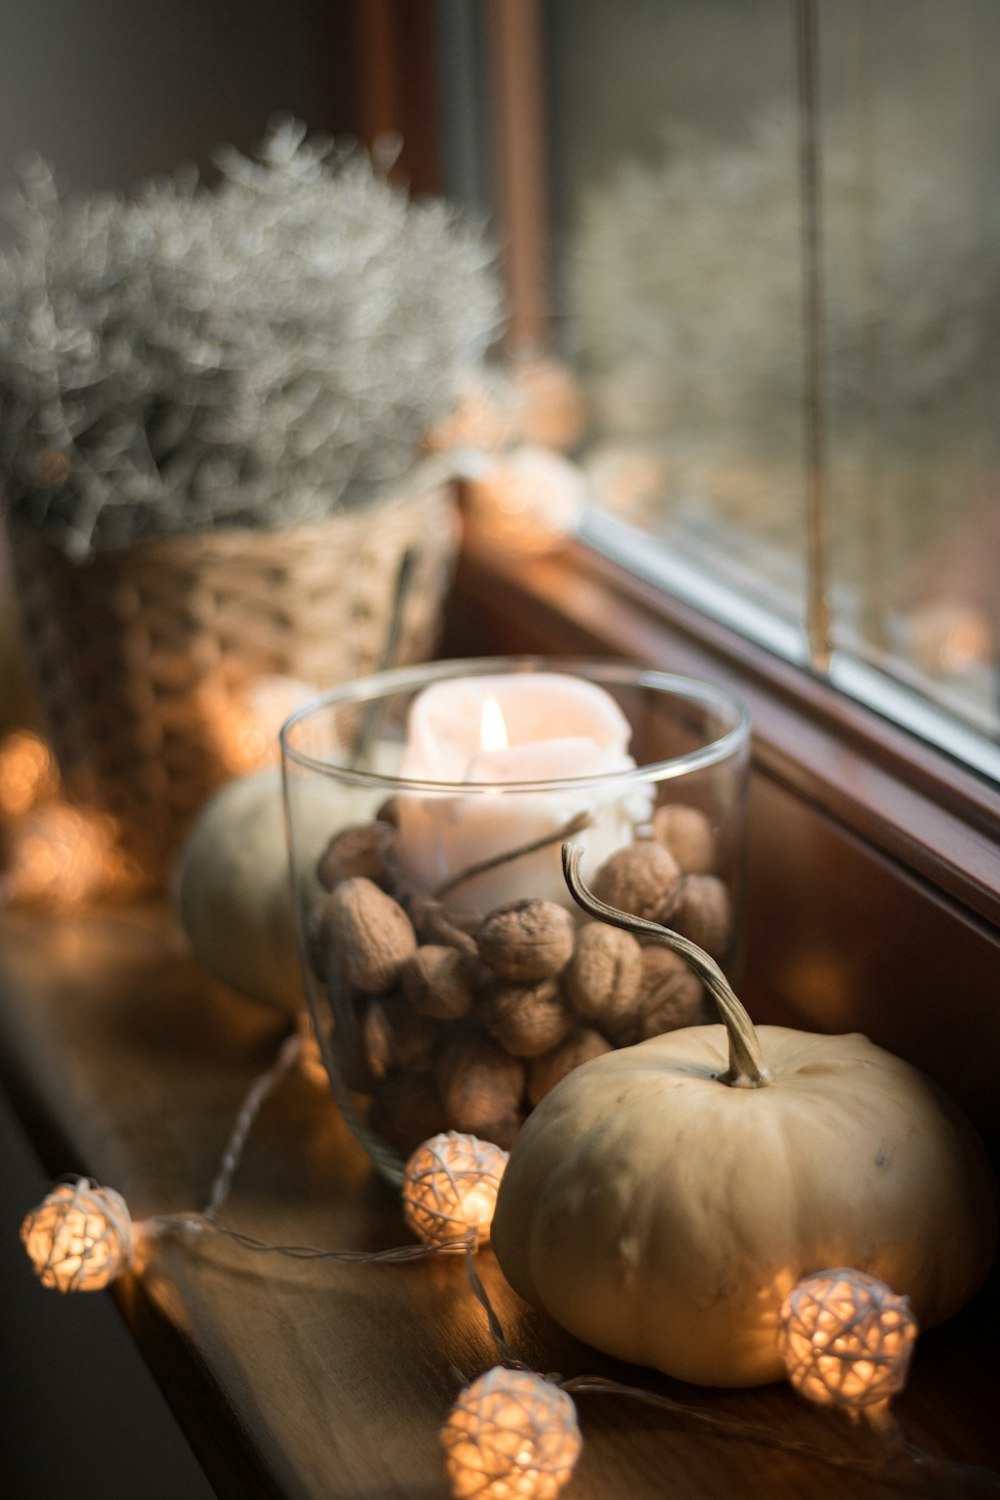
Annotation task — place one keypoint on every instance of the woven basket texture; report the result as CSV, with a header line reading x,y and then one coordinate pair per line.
x,y
139,653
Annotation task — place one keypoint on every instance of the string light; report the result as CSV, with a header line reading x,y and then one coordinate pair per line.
x,y
510,1434
553,408
311,1062
246,728
28,773
59,856
486,416
450,1187
528,500
56,854
949,637
846,1339
79,1238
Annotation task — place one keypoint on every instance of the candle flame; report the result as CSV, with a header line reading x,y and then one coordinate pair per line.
x,y
492,729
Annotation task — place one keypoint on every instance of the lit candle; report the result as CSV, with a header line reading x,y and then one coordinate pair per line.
x,y
496,732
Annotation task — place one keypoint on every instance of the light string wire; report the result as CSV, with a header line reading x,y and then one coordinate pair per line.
x,y
197,1223
739,1428
206,1221
888,1430
260,1090
576,824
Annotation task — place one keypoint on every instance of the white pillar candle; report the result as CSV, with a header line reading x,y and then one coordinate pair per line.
x,y
497,731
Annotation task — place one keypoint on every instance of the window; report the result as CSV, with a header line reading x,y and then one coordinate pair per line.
x,y
770,244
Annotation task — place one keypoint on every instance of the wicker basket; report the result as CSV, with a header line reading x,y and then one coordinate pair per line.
x,y
140,653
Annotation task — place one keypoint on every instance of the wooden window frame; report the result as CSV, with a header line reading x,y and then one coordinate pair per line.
x,y
873,859
937,819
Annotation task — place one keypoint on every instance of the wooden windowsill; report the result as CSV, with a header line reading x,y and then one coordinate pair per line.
x,y
939,821
296,1381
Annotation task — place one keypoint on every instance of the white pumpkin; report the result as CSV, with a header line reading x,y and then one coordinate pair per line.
x,y
663,1199
233,885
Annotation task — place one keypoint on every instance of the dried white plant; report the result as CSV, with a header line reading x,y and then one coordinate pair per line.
x,y
256,354
688,270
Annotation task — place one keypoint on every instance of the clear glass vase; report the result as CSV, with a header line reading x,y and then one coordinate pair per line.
x,y
450,979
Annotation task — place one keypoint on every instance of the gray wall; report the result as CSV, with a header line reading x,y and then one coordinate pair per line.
x,y
111,91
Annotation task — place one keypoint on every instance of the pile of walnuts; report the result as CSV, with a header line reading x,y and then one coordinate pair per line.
x,y
457,1023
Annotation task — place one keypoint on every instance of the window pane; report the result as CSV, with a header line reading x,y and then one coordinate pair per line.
x,y
775,263
681,193
910,147
678,275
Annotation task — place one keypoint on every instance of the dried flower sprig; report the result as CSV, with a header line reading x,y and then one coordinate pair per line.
x,y
259,353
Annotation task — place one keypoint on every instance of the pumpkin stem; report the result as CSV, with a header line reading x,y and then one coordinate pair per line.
x,y
747,1068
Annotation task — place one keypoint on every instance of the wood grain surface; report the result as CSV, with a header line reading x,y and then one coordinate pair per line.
x,y
309,1380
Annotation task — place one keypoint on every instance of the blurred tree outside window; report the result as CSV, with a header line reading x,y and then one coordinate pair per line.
x,y
730,360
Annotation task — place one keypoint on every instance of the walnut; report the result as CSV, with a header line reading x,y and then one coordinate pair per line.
x,y
369,934
670,996
377,1040
436,923
501,1132
601,980
438,982
396,1037
525,941
703,914
481,1086
317,942
407,1110
526,1020
687,834
368,850
389,812
546,1071
641,879
347,1044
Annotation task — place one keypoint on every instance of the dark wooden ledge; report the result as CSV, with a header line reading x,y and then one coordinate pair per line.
x,y
304,1381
